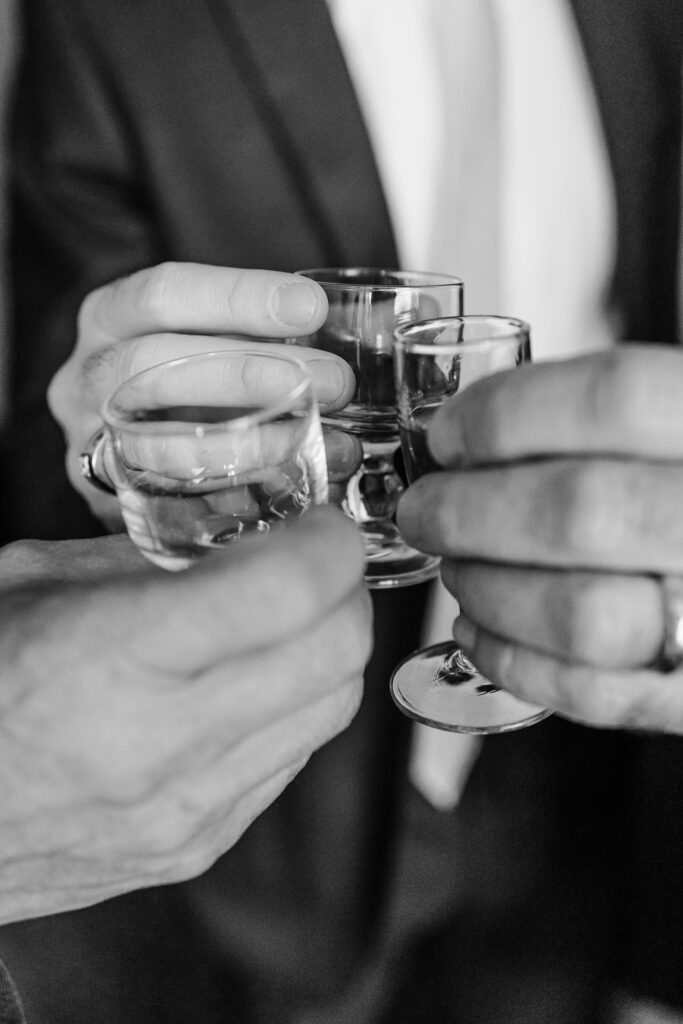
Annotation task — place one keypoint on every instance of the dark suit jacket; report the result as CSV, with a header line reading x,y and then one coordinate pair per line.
x,y
11,1011
227,132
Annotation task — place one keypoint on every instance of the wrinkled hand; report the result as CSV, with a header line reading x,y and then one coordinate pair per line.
x,y
559,509
173,310
147,717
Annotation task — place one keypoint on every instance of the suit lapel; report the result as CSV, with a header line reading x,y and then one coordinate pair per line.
x,y
292,64
633,51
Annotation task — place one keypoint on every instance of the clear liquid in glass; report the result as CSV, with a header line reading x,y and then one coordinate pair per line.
x,y
417,458
176,520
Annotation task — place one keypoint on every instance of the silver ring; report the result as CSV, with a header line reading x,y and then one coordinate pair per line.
x,y
672,647
91,464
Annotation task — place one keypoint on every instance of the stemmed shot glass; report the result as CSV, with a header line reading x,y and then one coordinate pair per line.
x,y
439,685
366,305
204,449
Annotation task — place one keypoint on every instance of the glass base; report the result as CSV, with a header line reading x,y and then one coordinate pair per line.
x,y
390,562
440,687
370,491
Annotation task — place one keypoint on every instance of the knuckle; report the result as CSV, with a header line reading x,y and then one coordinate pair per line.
x,y
288,775
193,863
643,712
168,825
219,830
155,289
328,716
622,622
602,699
646,700
581,693
592,514
608,703
87,313
129,789
362,626
124,770
350,700
97,375
630,403
131,357
25,554
594,622
180,864
580,495
614,392
56,397
454,576
337,648
595,701
354,633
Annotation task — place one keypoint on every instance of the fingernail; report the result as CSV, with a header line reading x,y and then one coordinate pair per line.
x,y
294,304
446,439
465,633
330,379
344,454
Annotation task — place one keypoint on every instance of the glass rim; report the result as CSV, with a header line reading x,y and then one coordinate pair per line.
x,y
412,278
403,336
167,427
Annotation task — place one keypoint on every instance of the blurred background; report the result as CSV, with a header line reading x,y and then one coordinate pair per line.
x,y
7,55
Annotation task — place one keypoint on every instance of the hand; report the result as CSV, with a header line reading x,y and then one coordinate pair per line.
x,y
173,310
559,509
147,717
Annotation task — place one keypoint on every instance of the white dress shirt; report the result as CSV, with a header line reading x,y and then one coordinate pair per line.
x,y
557,204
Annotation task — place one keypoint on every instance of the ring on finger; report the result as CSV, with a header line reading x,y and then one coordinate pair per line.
x,y
672,645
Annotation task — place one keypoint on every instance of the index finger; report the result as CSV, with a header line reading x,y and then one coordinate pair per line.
x,y
623,402
193,297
